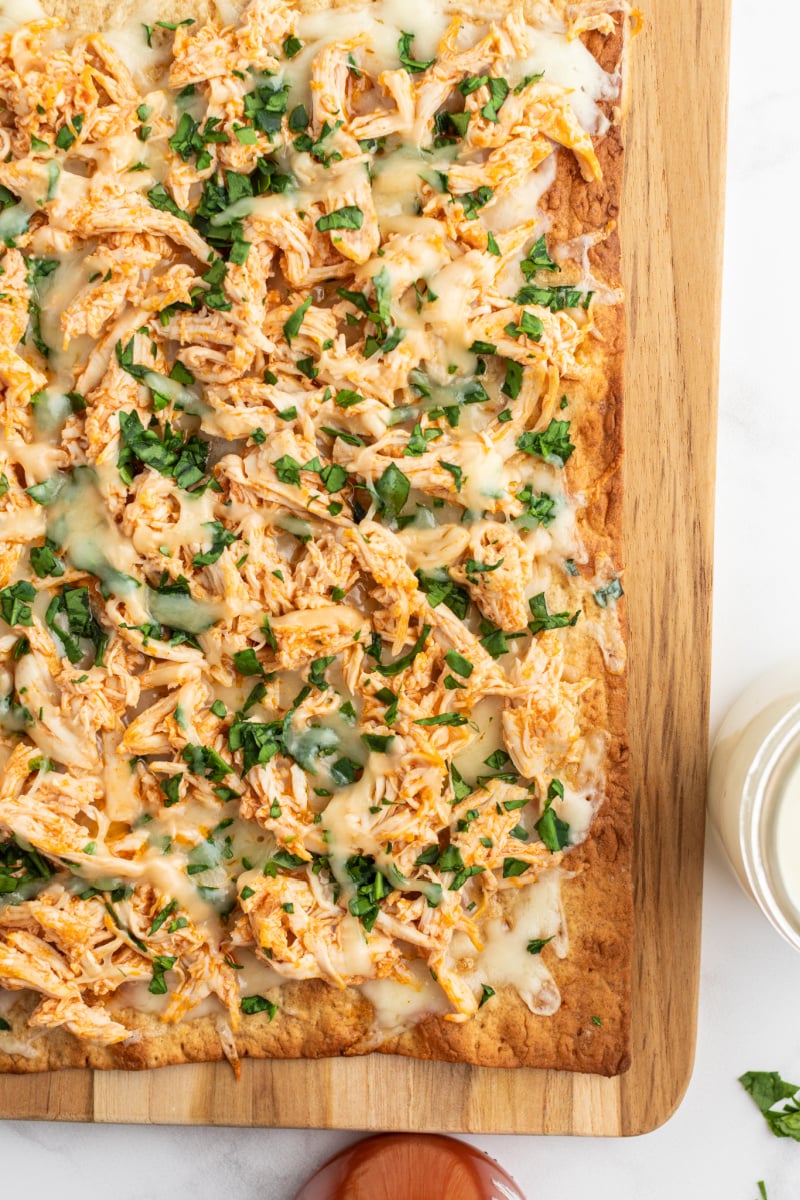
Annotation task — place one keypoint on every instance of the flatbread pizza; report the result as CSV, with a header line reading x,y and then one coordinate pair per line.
x,y
312,651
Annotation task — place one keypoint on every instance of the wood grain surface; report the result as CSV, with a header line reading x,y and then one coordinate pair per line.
x,y
672,244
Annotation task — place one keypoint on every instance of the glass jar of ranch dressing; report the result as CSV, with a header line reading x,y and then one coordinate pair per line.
x,y
754,796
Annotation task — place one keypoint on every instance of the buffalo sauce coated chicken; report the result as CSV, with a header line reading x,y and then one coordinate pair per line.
x,y
283,513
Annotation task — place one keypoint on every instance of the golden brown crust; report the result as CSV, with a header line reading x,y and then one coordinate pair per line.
x,y
590,1032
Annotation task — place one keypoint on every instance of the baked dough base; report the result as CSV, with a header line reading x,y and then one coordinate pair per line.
x,y
316,1020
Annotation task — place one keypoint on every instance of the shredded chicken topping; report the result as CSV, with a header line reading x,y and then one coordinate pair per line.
x,y
285,368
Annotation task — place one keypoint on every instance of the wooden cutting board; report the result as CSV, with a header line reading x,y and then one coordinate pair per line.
x,y
672,234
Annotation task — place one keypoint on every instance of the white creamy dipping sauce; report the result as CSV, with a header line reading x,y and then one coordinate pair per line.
x,y
754,796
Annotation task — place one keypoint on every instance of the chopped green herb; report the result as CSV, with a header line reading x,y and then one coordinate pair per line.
x,y
455,471
608,596
69,132
400,664
537,945
445,718
220,538
498,90
380,742
412,65
291,327
161,917
539,509
348,217
392,489
246,662
551,829
160,198
462,666
542,619
551,444
766,1089
473,202
15,603
161,964
512,384
258,1004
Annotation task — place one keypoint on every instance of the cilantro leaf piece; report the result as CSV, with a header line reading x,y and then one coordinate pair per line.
x,y
288,470
527,81
767,1088
204,762
537,945
405,660
291,327
474,568
161,917
542,619
392,489
161,964
348,217
537,259
15,603
472,83
551,444
266,105
473,202
380,742
160,198
258,741
455,471
220,538
462,666
70,618
412,65
512,867
512,384
257,1004
170,455
44,562
607,597
246,662
444,591
170,789
69,132
445,718
539,510
346,397
371,888
498,90
557,299
551,829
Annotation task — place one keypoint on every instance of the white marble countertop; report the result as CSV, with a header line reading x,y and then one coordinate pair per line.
x,y
716,1145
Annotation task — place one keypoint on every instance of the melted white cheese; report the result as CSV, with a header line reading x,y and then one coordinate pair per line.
x,y
398,1005
569,64
535,911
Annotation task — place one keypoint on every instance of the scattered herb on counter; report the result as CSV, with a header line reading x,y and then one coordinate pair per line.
x,y
766,1089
